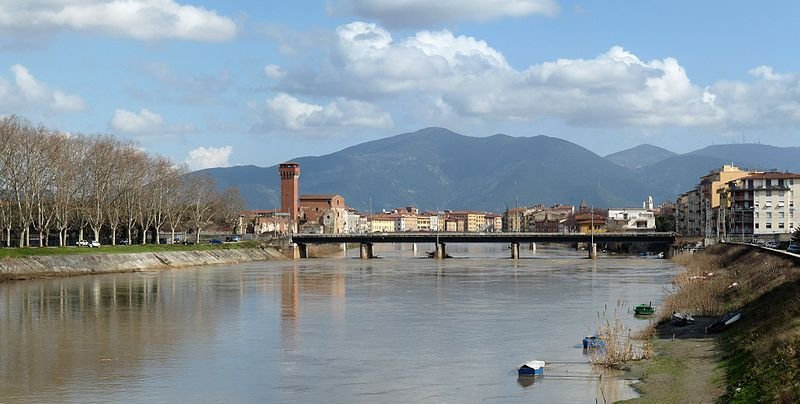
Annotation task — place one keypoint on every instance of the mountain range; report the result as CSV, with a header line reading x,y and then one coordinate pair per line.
x,y
435,168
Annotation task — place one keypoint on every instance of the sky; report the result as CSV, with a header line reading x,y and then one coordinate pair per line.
x,y
223,83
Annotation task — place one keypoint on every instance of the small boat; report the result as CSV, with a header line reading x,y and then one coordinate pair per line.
x,y
644,309
682,319
592,342
725,321
532,368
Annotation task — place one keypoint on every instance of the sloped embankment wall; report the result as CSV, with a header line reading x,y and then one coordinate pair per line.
x,y
83,264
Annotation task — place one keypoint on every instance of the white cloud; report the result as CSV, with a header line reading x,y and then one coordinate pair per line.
x,y
422,13
467,78
274,71
208,157
29,92
287,112
771,99
140,19
136,123
445,78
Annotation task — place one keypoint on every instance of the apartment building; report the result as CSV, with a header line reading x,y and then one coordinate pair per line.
x,y
761,205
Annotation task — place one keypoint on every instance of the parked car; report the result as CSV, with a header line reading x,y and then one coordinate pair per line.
x,y
94,243
82,243
215,241
124,241
233,239
771,244
794,248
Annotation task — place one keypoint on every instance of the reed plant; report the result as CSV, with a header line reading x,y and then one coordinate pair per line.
x,y
622,344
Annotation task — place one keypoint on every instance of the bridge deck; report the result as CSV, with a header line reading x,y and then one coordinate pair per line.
x,y
449,237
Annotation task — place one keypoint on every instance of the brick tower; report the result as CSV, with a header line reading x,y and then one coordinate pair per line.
x,y
290,173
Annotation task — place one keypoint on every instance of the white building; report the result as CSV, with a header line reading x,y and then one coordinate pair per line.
x,y
356,223
631,219
764,204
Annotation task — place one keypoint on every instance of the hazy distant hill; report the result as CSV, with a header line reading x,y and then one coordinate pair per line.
x,y
640,156
436,168
755,156
673,176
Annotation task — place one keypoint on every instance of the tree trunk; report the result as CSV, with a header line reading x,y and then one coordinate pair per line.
x,y
197,236
96,234
113,235
172,240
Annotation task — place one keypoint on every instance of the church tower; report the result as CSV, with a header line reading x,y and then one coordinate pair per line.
x,y
290,173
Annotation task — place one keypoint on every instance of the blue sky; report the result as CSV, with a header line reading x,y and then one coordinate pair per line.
x,y
241,82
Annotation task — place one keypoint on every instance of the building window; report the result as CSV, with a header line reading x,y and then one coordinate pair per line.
x,y
769,225
769,191
756,225
769,215
780,215
780,225
768,204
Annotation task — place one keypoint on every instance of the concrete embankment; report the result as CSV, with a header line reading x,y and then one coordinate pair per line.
x,y
84,264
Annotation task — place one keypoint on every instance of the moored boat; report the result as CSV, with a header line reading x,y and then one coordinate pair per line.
x,y
725,321
682,318
592,342
644,309
532,368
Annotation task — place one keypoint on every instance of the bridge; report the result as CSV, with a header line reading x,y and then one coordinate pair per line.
x,y
367,240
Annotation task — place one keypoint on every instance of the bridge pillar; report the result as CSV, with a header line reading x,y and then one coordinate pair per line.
x,y
302,250
669,251
514,251
366,251
294,251
593,251
344,249
532,247
441,252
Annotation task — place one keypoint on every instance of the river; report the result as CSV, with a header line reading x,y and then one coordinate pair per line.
x,y
401,328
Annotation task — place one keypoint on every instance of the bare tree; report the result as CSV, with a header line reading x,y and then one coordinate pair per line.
x,y
66,182
98,182
177,201
230,207
201,193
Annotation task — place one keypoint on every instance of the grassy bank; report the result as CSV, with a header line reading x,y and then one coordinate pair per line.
x,y
119,249
757,359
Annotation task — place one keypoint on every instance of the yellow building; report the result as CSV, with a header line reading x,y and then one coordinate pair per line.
x,y
382,223
473,221
424,223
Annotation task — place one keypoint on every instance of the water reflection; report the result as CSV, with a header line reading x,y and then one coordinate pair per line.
x,y
395,329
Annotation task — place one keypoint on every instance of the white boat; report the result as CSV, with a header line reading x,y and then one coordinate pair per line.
x,y
532,368
682,318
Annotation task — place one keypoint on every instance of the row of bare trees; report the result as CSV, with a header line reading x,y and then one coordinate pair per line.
x,y
56,182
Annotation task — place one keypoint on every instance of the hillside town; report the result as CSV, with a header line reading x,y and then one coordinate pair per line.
x,y
729,203
329,214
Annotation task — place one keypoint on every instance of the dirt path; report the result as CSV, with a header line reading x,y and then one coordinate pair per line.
x,y
684,368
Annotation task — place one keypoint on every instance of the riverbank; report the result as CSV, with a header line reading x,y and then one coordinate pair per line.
x,y
757,359
44,266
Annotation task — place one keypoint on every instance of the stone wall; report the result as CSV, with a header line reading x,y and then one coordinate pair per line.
x,y
83,264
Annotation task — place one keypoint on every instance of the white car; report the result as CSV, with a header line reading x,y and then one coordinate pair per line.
x,y
82,243
94,243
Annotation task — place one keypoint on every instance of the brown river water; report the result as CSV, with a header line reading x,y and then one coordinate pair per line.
x,y
402,328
